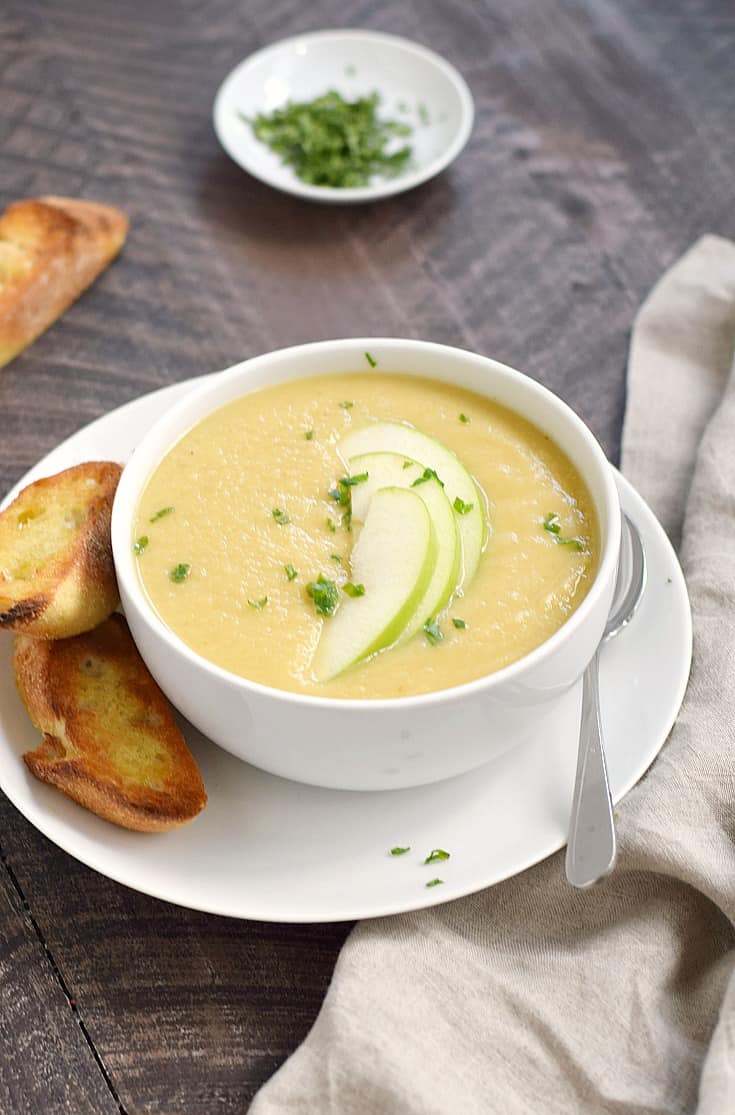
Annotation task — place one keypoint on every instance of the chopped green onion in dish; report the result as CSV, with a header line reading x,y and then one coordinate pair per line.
x,y
161,514
291,573
353,590
258,604
180,572
436,856
280,516
140,544
399,851
330,141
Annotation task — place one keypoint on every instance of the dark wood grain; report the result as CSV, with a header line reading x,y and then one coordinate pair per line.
x,y
48,1060
603,147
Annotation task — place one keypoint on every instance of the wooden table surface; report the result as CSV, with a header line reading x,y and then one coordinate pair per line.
x,y
603,146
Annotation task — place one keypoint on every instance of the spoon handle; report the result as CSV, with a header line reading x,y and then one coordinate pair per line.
x,y
591,848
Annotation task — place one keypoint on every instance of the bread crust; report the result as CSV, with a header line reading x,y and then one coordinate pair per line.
x,y
110,740
51,250
72,587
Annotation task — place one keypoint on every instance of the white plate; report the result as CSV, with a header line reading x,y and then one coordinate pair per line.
x,y
273,850
416,87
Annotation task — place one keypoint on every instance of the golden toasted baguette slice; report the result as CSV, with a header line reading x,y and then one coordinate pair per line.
x,y
51,249
110,740
57,576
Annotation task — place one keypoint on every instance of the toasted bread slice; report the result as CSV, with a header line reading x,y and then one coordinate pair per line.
x,y
110,740
51,249
57,576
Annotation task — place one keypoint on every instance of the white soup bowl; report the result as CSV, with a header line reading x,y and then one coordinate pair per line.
x,y
389,743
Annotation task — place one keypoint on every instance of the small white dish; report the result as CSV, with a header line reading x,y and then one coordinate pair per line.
x,y
416,87
273,850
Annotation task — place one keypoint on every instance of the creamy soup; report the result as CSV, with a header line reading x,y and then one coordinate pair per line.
x,y
244,541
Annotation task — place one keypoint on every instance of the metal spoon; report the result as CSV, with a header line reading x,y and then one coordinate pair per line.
x,y
591,849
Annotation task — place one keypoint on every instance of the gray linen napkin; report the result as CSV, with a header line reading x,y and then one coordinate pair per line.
x,y
533,997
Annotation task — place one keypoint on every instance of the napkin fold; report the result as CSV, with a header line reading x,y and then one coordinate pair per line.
x,y
532,996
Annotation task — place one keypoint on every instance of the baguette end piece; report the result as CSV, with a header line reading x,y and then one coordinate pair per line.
x,y
51,250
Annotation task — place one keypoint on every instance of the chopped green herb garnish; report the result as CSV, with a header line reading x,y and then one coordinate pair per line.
x,y
371,360
437,855
398,851
428,474
407,464
461,507
464,418
258,604
551,524
435,882
336,557
140,544
280,516
309,435
353,590
291,573
346,405
459,623
330,141
180,572
433,632
340,495
161,514
331,526
324,594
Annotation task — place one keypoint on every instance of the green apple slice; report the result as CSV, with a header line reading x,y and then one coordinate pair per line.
x,y
394,437
394,559
390,470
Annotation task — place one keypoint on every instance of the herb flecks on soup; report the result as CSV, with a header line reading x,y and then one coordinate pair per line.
x,y
398,549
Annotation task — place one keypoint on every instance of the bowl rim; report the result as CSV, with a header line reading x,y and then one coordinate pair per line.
x,y
351,194
130,487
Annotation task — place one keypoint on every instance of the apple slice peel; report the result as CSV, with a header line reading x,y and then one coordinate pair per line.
x,y
392,470
408,442
394,558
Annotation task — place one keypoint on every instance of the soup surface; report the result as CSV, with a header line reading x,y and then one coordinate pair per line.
x,y
237,520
